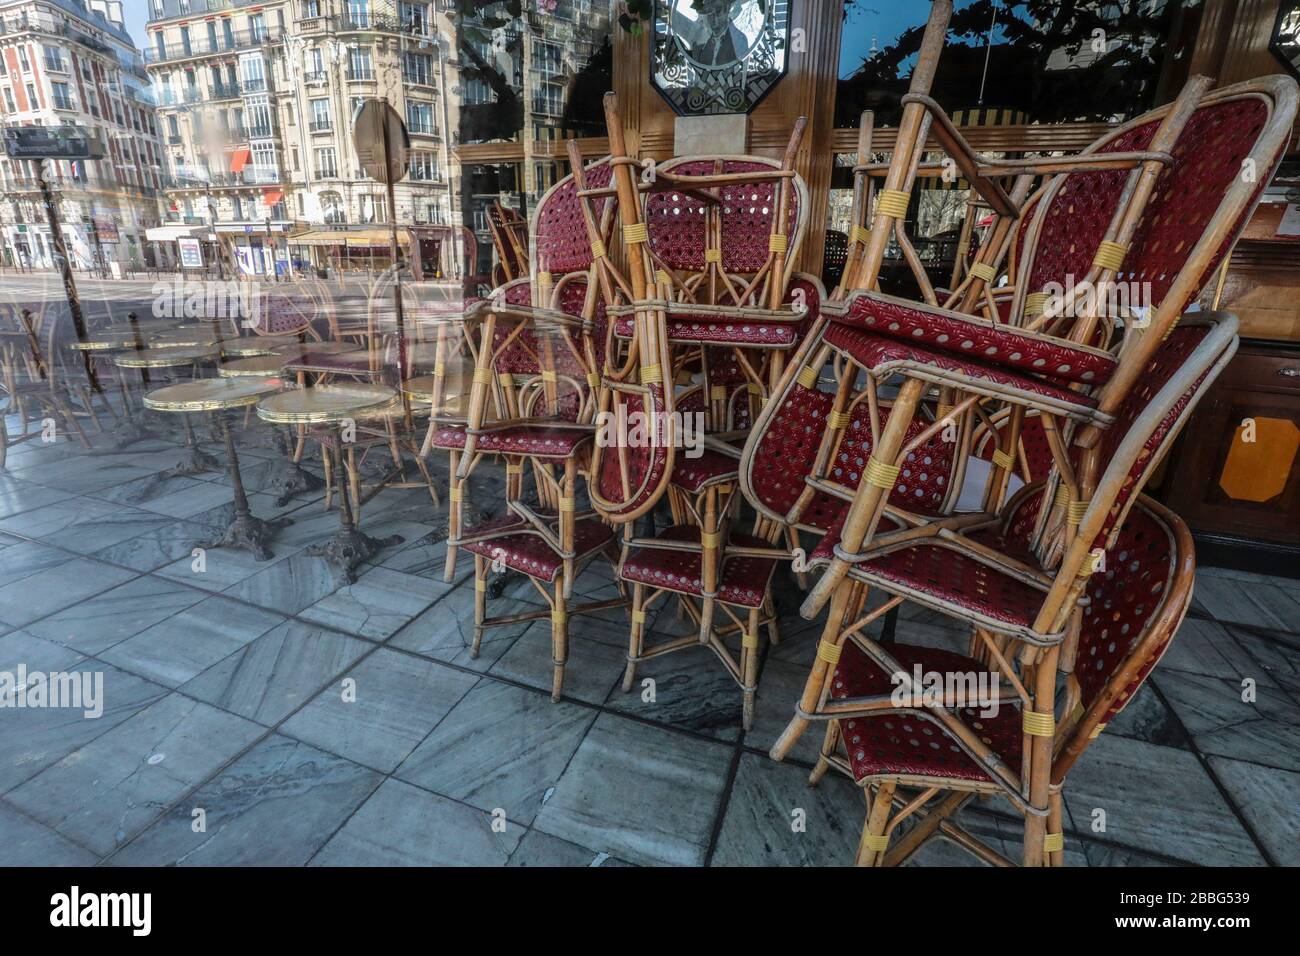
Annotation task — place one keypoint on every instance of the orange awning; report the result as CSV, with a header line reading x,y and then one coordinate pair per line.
x,y
238,160
272,196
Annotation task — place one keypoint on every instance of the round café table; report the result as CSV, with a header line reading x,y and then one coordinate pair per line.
x,y
254,366
194,459
128,429
220,397
185,336
335,406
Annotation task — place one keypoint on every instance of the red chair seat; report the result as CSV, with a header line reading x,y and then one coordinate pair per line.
x,y
723,332
979,338
539,441
742,580
878,353
528,552
932,573
906,742
693,475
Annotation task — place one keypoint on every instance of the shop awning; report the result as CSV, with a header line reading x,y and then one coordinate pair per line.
x,y
172,233
239,159
353,237
272,196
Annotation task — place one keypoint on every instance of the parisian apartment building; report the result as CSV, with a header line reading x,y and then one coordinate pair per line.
x,y
72,63
255,103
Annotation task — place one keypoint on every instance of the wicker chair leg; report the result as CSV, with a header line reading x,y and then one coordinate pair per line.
x,y
832,639
559,641
329,475
749,666
1056,825
871,849
636,640
480,603
454,492
829,743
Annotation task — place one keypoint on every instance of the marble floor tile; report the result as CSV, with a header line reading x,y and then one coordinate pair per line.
x,y
104,793
183,646
35,738
274,675
1208,648
1146,717
274,806
1240,597
425,556
28,843
639,793
1268,799
196,499
592,668
17,496
139,492
500,746
91,534
26,558
60,587
692,691
220,569
774,818
540,849
36,653
395,700
289,586
158,547
401,825
445,631
1264,731
57,517
1157,799
97,623
379,604
1278,654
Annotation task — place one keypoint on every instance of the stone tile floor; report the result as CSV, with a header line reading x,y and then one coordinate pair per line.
x,y
224,703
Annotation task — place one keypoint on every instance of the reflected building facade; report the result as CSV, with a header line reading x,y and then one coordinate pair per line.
x,y
69,63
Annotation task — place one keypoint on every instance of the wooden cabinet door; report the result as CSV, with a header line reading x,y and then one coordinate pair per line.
x,y
1236,469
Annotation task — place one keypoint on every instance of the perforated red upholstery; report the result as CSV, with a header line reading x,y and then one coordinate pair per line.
x,y
968,336
540,441
906,742
692,475
563,244
676,221
879,354
529,553
1123,601
742,580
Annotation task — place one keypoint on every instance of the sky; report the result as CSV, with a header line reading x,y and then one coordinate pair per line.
x,y
136,14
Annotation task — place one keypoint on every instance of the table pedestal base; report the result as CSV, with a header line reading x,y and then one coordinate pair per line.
x,y
349,547
249,533
194,461
290,478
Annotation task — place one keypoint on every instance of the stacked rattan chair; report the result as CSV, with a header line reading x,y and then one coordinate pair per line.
x,y
538,343
1160,201
704,316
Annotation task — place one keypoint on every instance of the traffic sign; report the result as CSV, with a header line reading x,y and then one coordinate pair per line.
x,y
377,123
51,142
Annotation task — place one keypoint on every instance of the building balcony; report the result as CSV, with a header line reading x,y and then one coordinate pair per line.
x,y
321,126
203,46
316,77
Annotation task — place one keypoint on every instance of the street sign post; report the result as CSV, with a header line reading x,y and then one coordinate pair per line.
x,y
51,142
383,146
37,144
